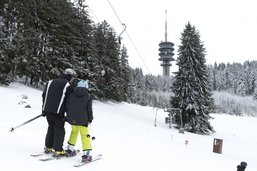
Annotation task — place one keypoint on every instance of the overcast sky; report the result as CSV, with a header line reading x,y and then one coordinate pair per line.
x,y
228,28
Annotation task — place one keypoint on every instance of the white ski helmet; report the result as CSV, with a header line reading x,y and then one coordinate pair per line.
x,y
69,71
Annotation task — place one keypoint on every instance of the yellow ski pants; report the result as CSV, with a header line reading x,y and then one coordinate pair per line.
x,y
85,139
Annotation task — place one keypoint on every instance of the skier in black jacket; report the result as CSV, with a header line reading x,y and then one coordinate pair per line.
x,y
54,100
79,115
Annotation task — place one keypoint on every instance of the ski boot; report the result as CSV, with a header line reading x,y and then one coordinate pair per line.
x,y
59,154
86,158
70,153
48,150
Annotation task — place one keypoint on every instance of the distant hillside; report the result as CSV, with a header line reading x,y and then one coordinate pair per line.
x,y
235,105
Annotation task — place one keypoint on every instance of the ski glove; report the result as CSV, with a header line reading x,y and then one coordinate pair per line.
x,y
43,113
66,119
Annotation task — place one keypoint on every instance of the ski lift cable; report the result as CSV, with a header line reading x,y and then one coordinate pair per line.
x,y
129,36
93,13
138,52
102,73
114,11
124,30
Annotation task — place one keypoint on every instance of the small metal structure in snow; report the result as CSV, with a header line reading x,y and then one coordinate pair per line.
x,y
172,112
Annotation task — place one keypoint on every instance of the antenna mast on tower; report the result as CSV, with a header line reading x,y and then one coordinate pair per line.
x,y
166,25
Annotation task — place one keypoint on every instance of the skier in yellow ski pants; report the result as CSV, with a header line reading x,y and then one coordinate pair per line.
x,y
80,115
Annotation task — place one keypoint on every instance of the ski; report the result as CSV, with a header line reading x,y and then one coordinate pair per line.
x,y
37,155
98,157
51,158
40,154
56,158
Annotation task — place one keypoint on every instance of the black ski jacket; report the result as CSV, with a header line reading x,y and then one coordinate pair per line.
x,y
79,107
55,96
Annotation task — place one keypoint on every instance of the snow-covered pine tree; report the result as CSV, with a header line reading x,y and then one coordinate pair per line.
x,y
136,86
192,92
29,44
213,74
8,48
255,90
124,73
109,59
4,69
82,42
63,38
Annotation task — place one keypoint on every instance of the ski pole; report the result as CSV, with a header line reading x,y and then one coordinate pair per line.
x,y
153,114
155,119
12,129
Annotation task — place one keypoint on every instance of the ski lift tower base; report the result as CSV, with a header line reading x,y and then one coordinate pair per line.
x,y
171,115
181,130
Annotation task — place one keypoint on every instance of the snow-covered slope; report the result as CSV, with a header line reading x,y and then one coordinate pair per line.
x,y
127,138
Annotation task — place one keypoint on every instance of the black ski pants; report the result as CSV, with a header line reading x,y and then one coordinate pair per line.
x,y
55,132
